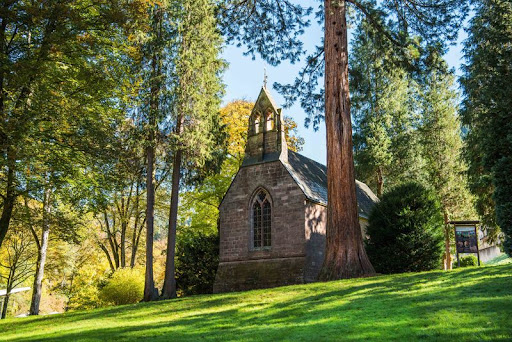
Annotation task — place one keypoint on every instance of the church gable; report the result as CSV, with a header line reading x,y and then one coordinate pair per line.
x,y
261,230
237,236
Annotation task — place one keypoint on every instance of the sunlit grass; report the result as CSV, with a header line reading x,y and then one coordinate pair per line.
x,y
473,304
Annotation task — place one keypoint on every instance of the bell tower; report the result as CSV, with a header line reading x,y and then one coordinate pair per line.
x,y
265,136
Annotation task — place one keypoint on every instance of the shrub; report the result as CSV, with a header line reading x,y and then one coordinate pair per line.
x,y
467,261
84,291
406,231
197,258
126,286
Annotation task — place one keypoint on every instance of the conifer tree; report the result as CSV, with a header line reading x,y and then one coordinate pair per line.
x,y
441,142
197,88
383,97
154,69
486,113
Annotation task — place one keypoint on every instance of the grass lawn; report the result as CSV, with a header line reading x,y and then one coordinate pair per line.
x,y
472,304
499,260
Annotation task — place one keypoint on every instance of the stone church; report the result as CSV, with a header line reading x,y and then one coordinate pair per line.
x,y
272,219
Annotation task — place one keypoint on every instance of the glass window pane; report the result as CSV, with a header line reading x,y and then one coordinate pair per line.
x,y
256,225
266,224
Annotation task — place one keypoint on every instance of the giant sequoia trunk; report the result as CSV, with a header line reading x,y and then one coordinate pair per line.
x,y
169,288
345,256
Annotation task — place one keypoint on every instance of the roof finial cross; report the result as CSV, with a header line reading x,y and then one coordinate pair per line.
x,y
265,78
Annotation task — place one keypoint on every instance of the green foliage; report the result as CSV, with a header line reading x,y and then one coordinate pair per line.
x,y
126,286
406,29
467,304
468,261
195,78
61,75
17,264
441,142
85,298
197,256
406,231
386,142
269,28
486,113
77,271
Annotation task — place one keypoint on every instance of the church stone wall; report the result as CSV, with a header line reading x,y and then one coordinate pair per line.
x,y
240,266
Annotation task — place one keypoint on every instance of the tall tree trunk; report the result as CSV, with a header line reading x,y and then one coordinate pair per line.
x,y
135,247
125,219
123,243
447,253
380,182
345,256
149,286
4,306
10,195
41,256
107,254
169,288
150,293
111,237
136,232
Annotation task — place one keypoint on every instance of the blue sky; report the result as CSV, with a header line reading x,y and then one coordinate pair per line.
x,y
244,79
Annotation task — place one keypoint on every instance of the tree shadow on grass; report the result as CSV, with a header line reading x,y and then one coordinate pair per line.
x,y
466,305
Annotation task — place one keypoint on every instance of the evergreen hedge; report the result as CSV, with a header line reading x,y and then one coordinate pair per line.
x,y
197,258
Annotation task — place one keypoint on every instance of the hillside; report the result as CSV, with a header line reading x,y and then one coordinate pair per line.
x,y
462,305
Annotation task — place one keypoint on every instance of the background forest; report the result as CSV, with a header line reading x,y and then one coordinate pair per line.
x,y
116,149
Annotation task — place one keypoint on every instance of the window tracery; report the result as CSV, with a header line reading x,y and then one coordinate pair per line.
x,y
261,220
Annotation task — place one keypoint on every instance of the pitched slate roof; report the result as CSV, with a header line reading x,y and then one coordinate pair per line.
x,y
312,179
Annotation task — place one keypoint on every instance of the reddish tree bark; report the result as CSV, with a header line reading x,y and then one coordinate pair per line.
x,y
345,256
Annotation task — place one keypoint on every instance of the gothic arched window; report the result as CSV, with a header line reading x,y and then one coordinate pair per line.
x,y
261,220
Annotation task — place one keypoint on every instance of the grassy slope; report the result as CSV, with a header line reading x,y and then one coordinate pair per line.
x,y
463,305
499,260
